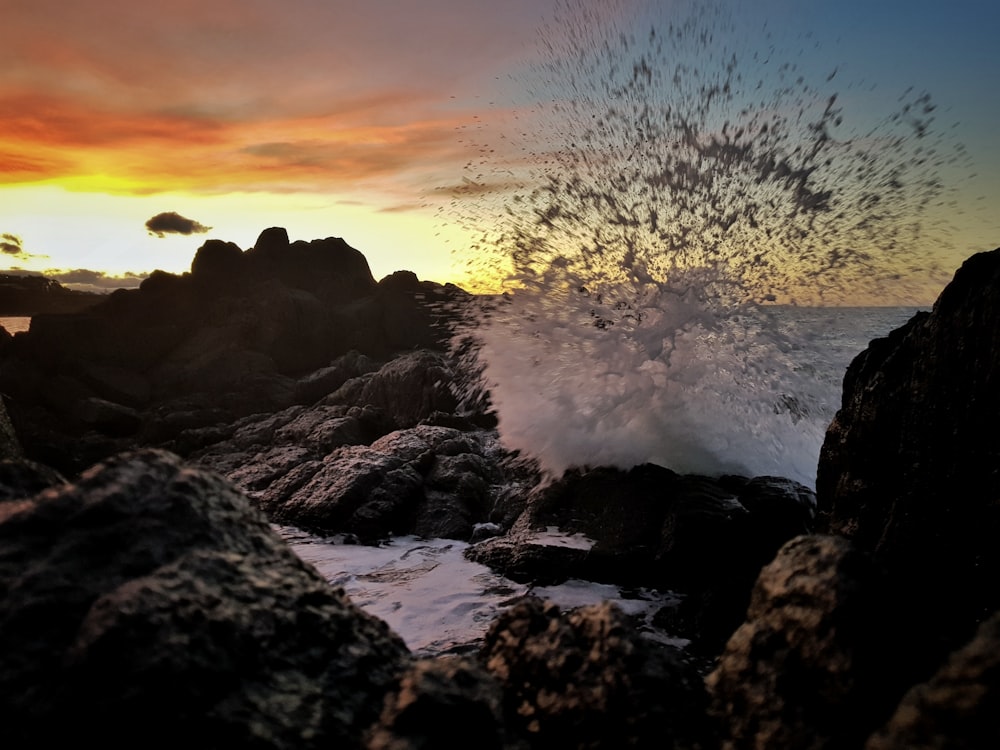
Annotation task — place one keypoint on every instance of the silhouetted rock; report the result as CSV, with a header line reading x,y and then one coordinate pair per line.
x,y
908,470
31,295
240,331
150,600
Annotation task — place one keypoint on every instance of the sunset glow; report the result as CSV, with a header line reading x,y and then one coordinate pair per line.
x,y
348,119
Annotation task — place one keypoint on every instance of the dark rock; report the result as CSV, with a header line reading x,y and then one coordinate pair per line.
x,y
326,380
588,680
408,389
107,417
150,600
957,708
815,663
910,468
31,295
20,478
443,703
651,527
428,480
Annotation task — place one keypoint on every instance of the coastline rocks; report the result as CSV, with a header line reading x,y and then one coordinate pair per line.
x,y
651,527
587,680
908,470
814,665
151,600
239,332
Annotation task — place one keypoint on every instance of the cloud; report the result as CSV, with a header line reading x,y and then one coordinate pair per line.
x,y
173,223
11,244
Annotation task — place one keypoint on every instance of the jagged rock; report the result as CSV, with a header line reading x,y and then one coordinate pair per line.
x,y
651,527
588,680
815,665
430,480
408,389
958,708
242,330
908,470
151,600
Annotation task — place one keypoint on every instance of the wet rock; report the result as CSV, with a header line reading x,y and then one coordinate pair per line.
x,y
152,600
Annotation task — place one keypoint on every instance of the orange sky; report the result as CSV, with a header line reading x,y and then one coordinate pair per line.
x,y
329,117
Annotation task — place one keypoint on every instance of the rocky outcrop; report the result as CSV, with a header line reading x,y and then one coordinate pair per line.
x,y
649,526
814,663
908,469
587,681
32,295
150,600
236,334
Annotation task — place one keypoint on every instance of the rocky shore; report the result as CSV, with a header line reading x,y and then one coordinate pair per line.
x,y
154,439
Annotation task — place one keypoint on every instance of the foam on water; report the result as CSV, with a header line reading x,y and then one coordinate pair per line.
x,y
667,181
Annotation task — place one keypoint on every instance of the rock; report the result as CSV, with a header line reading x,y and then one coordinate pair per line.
x,y
107,417
151,600
651,527
908,470
243,330
815,665
443,703
588,680
427,480
408,389
20,478
957,708
30,295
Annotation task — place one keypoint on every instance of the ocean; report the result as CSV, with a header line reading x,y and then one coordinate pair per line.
x,y
439,602
15,323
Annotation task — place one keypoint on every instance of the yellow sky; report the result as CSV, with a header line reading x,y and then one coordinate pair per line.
x,y
357,120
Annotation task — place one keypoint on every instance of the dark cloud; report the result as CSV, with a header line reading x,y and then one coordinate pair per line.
x,y
11,244
173,223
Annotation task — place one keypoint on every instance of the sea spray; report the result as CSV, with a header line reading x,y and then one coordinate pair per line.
x,y
664,182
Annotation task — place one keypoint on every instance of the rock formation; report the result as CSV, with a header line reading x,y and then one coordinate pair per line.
x,y
908,471
144,594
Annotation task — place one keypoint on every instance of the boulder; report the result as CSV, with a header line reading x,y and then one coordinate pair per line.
x,y
440,703
150,600
908,469
815,665
587,679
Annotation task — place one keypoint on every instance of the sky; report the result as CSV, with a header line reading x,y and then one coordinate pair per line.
x,y
132,132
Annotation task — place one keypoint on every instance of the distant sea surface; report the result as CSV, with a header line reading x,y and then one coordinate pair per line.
x,y
15,324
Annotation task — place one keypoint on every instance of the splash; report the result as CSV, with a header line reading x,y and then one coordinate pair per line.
x,y
662,184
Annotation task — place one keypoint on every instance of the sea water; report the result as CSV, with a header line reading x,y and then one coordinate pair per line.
x,y
662,185
440,602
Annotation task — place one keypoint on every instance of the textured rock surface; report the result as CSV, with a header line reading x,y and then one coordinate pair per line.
x,y
150,603
813,665
908,470
588,680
